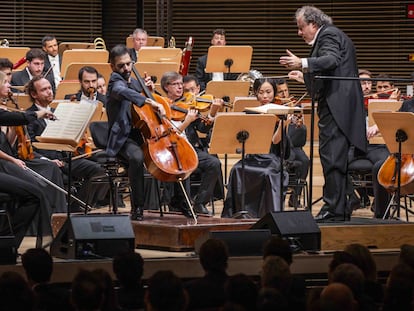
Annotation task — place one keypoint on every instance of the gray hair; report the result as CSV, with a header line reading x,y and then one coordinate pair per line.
x,y
168,77
139,30
313,15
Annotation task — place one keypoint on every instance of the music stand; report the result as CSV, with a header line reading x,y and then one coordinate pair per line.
x,y
228,89
240,103
398,134
242,133
229,59
383,105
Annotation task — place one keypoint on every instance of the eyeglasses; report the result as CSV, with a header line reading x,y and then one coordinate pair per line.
x,y
120,66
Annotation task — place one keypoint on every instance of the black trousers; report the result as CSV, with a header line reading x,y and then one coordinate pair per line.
x,y
210,170
133,154
333,152
28,198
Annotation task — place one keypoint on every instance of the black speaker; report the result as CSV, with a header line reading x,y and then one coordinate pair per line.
x,y
239,242
8,250
93,236
298,227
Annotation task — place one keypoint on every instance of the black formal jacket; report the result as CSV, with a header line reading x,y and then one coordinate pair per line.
x,y
133,54
78,95
407,106
204,77
22,77
120,95
36,128
333,54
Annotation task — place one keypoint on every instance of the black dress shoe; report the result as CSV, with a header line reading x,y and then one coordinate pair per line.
x,y
137,214
326,216
201,209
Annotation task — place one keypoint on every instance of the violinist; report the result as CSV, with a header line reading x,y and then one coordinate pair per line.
x,y
262,171
53,61
376,153
209,165
41,94
35,197
124,140
88,79
296,131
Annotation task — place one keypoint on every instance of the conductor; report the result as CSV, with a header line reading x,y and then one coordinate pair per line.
x,y
340,102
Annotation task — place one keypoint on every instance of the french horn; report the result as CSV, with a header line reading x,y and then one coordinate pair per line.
x,y
250,76
99,44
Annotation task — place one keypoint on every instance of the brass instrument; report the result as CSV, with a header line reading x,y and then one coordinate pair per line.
x,y
171,43
250,77
4,43
99,44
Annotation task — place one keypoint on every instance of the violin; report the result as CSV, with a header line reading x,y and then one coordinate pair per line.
x,y
201,102
24,146
388,174
180,109
379,95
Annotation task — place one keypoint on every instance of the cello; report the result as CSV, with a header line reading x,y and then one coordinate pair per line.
x,y
388,174
168,156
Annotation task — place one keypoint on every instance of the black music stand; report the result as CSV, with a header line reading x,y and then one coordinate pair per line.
x,y
243,134
228,59
398,133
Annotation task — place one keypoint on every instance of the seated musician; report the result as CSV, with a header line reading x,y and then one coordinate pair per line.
x,y
35,59
296,131
101,88
40,92
34,196
378,153
210,165
88,79
262,171
218,39
140,39
125,140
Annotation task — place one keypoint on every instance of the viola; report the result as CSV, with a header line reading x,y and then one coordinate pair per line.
x,y
167,155
388,174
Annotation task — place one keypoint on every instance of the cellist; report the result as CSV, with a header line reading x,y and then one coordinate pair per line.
x,y
124,140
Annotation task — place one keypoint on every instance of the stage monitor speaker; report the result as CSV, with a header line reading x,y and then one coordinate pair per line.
x,y
298,227
239,242
8,250
93,236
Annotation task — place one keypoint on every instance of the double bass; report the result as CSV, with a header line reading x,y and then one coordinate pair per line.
x,y
168,156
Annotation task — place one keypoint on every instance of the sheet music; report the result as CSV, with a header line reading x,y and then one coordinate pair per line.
x,y
274,109
71,123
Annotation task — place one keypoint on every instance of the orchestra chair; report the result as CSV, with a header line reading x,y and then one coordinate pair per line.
x,y
63,46
22,100
86,56
360,172
67,87
296,182
72,70
151,41
115,167
14,54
